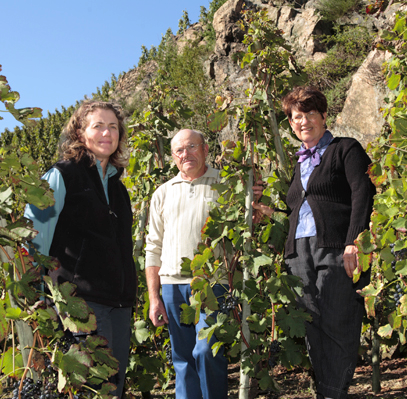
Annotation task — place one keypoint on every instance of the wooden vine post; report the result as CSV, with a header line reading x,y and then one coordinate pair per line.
x,y
376,388
244,384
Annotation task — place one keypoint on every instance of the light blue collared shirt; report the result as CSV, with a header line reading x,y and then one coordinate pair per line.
x,y
45,221
306,223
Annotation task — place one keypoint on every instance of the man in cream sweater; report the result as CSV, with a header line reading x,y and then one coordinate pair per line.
x,y
179,209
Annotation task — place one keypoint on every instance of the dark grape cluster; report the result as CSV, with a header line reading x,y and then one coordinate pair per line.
x,y
393,266
65,343
399,255
49,370
229,304
36,390
398,294
168,354
275,349
30,389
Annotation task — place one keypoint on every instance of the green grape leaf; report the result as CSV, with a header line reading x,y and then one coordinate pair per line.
x,y
257,323
218,120
25,115
395,320
6,200
210,301
401,267
24,288
292,323
291,354
141,332
393,81
13,364
364,242
261,260
74,365
75,313
385,331
370,306
200,259
186,267
266,381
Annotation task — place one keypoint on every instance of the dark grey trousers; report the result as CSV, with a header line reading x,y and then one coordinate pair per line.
x,y
333,335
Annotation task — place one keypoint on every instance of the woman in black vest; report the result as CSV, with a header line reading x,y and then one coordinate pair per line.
x,y
330,200
89,229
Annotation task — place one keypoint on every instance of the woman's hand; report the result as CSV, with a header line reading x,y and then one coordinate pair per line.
x,y
259,209
258,190
350,259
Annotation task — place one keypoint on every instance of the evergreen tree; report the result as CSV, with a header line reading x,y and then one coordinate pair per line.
x,y
144,55
184,23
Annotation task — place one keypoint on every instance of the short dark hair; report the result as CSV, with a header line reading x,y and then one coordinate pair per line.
x,y
305,99
72,147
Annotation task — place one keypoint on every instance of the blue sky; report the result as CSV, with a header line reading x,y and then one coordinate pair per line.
x,y
55,52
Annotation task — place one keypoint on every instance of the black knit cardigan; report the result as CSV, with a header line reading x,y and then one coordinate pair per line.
x,y
339,192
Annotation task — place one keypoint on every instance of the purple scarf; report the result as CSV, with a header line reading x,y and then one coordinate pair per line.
x,y
305,153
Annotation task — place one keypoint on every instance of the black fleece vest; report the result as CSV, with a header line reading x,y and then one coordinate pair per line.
x,y
93,239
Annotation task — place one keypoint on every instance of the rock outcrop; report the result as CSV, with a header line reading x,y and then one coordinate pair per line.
x,y
303,28
361,117
132,85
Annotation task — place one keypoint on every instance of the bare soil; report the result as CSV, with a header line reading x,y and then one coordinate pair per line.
x,y
295,384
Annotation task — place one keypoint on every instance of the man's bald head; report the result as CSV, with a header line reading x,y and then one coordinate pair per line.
x,y
189,152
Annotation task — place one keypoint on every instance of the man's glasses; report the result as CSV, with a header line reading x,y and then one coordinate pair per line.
x,y
311,116
190,149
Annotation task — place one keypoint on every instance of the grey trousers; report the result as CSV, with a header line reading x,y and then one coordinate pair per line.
x,y
333,335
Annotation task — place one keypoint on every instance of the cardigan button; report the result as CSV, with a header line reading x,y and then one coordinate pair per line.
x,y
303,194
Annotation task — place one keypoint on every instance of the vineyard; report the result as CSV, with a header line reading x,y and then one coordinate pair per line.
x,y
259,325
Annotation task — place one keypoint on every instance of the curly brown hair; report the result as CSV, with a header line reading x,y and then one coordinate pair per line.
x,y
304,99
73,148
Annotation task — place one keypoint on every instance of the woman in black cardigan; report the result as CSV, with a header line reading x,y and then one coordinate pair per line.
x,y
330,200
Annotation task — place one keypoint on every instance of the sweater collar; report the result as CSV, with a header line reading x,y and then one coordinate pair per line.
x,y
210,172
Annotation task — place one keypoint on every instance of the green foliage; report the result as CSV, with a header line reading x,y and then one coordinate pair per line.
x,y
166,40
39,141
331,10
184,72
184,23
384,246
348,48
9,98
104,93
144,55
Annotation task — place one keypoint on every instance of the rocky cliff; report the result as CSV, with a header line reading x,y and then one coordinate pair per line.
x,y
302,27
